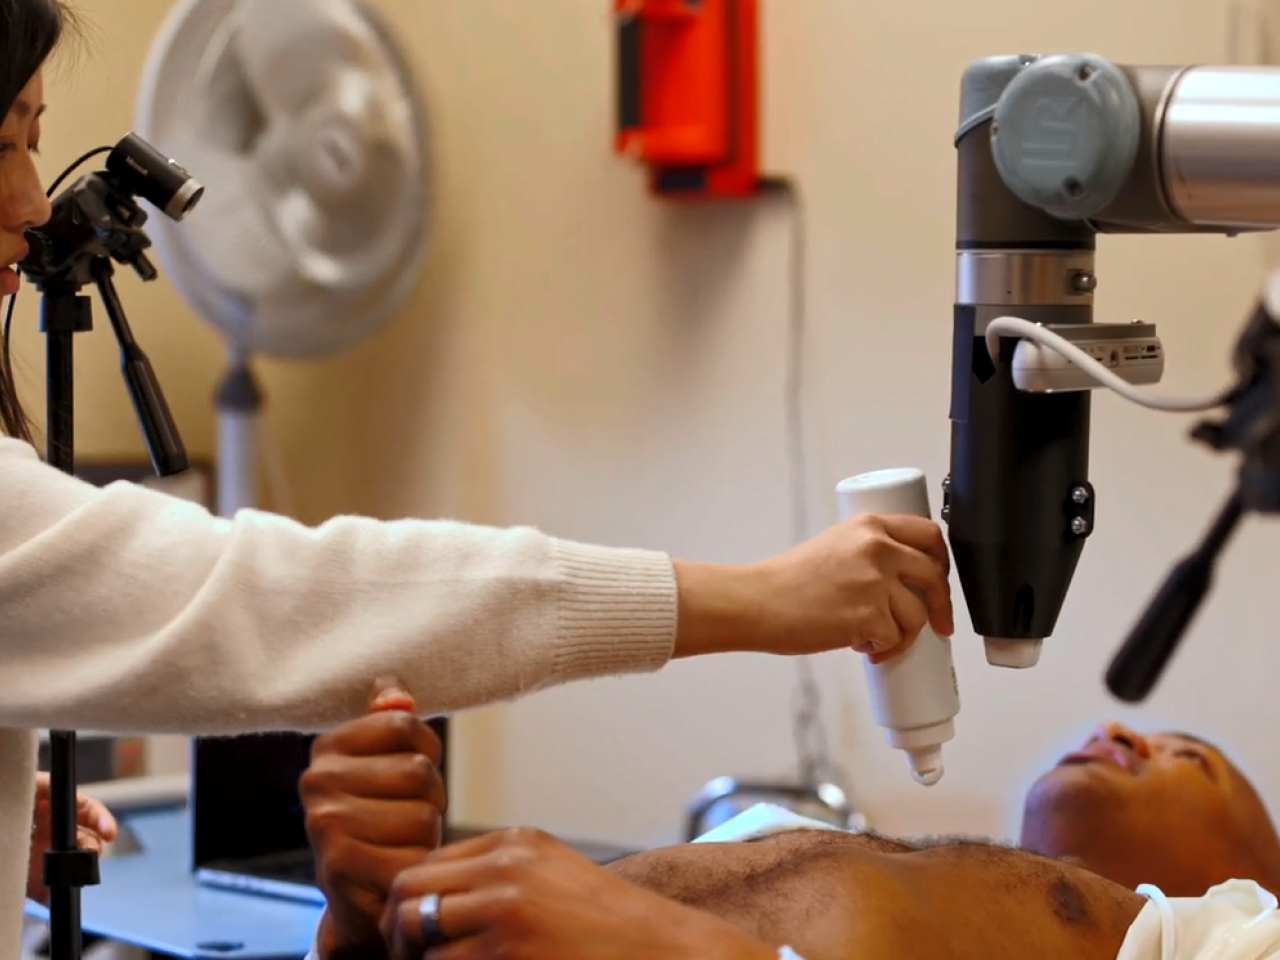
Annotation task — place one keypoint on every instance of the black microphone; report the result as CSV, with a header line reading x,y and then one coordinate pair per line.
x,y
1141,660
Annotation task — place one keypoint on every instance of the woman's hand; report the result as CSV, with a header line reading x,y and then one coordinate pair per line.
x,y
373,798
95,827
871,583
523,895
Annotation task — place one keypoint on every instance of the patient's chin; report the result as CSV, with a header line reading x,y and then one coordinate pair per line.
x,y
1066,798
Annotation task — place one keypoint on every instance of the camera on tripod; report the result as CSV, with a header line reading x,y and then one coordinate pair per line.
x,y
98,216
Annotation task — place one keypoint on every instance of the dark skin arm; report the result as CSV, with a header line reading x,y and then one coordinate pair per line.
x,y
373,798
523,895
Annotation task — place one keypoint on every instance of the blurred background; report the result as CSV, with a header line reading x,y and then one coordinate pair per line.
x,y
580,357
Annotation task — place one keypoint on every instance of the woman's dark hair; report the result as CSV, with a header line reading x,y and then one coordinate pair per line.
x,y
29,32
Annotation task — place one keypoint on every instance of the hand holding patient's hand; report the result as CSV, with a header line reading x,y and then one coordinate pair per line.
x,y
373,798
95,827
523,895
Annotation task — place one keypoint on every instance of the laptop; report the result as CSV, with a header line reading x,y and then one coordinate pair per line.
x,y
248,827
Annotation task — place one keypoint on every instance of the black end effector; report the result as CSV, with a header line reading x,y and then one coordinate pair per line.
x,y
1251,426
1018,502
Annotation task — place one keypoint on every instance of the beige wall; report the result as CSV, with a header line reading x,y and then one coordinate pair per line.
x,y
583,359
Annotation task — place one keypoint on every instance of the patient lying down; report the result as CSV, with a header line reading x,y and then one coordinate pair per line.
x,y
1124,810
1165,809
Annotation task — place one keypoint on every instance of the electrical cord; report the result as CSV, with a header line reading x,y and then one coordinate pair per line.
x,y
808,729
272,451
75,164
1036,333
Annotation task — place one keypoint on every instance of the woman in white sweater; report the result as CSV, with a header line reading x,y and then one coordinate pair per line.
x,y
127,610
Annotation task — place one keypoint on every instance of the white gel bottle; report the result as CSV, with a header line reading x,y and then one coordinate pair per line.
x,y
914,696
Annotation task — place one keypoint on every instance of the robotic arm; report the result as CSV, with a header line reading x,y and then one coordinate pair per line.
x,y
1053,151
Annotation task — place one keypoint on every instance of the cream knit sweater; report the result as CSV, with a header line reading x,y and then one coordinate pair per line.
x,y
125,610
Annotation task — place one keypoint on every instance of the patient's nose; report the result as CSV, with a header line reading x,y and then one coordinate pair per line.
x,y
1119,733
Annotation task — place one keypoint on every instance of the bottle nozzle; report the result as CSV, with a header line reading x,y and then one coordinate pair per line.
x,y
926,765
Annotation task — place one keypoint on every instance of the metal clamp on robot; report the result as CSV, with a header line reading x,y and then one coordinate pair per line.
x,y
1052,151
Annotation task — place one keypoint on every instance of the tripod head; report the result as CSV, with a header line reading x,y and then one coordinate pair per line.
x,y
98,217
1251,427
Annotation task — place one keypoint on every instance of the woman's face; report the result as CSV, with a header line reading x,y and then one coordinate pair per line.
x,y
22,200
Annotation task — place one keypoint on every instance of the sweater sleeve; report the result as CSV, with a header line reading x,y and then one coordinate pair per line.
x,y
126,609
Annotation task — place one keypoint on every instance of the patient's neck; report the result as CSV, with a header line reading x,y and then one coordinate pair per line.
x,y
1175,871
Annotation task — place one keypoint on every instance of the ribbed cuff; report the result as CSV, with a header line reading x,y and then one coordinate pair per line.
x,y
617,610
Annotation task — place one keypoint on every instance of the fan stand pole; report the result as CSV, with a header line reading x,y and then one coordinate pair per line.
x,y
239,402
63,314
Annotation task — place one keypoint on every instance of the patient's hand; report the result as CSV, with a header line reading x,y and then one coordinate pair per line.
x,y
95,827
523,895
373,798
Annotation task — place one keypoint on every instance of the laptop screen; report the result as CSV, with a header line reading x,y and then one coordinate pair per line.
x,y
244,795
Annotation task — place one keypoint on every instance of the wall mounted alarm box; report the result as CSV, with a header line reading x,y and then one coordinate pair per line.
x,y
688,92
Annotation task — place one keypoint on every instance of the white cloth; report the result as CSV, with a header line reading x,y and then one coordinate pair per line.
x,y
127,610
761,820
1236,920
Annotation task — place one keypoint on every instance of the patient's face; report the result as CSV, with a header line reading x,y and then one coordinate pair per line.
x,y
1160,808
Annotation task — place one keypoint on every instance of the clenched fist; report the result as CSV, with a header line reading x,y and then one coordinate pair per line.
x,y
373,797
